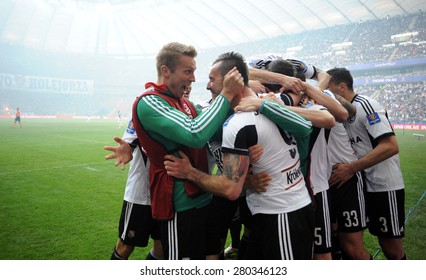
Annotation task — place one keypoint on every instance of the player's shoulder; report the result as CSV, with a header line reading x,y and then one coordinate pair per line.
x,y
130,132
153,104
366,103
239,119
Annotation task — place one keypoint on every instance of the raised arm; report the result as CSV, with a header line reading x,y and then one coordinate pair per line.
x,y
267,77
347,105
323,79
319,118
279,114
161,120
333,106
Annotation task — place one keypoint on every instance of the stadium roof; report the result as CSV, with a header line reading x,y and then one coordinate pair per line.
x,y
141,27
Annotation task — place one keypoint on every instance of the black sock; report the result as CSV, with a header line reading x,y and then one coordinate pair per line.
x,y
116,256
242,249
235,230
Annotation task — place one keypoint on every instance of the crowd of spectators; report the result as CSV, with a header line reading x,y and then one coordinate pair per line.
x,y
120,80
370,41
405,102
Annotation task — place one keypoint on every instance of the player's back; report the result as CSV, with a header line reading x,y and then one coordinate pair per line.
x,y
286,191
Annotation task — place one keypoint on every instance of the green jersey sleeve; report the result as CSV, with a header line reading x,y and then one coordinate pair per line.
x,y
289,121
167,124
293,123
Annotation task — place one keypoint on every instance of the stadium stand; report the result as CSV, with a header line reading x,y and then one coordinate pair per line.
x,y
392,68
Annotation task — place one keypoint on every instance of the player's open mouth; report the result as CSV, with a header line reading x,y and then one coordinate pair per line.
x,y
185,88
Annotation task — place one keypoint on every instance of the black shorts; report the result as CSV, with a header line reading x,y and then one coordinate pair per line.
x,y
348,205
187,236
322,242
136,225
386,213
286,236
221,215
246,218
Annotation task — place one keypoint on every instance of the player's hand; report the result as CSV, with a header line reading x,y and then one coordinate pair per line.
x,y
122,153
257,182
257,86
272,97
177,167
255,152
291,83
233,84
249,104
341,173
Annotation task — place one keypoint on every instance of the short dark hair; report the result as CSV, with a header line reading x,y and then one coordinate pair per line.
x,y
341,75
230,60
280,66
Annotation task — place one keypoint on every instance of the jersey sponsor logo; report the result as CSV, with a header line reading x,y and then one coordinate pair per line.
x,y
373,118
355,140
294,176
130,128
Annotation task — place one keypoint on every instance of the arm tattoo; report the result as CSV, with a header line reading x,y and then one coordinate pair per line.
x,y
347,105
235,166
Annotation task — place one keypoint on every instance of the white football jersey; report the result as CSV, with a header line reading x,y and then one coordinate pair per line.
x,y
287,190
260,62
339,146
319,169
365,129
137,181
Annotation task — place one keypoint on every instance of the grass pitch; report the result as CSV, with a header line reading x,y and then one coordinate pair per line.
x,y
61,200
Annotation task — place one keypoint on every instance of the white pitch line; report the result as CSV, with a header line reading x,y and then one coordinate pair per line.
x,y
92,169
87,165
